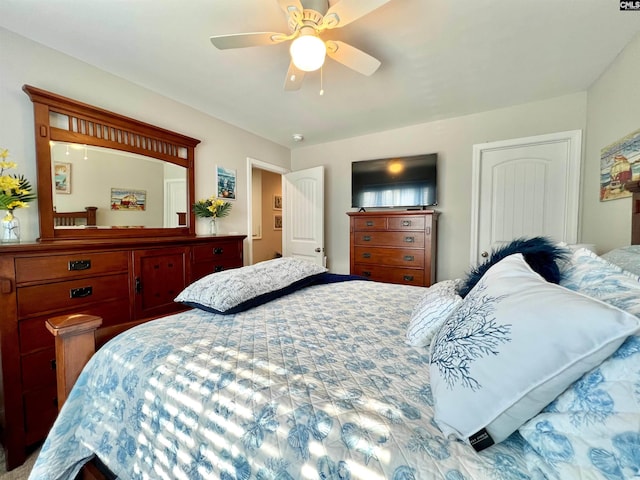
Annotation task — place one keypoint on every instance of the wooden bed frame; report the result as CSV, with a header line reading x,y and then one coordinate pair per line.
x,y
76,340
68,219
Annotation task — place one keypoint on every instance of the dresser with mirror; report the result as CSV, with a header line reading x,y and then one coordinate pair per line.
x,y
117,240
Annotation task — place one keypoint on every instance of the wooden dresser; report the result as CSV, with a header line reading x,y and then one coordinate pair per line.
x,y
394,247
122,281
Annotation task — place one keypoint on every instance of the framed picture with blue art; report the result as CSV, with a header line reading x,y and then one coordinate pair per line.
x,y
62,177
226,183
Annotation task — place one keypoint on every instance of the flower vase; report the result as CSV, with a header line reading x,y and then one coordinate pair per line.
x,y
213,226
10,228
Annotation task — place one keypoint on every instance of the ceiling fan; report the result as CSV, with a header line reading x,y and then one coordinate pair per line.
x,y
307,19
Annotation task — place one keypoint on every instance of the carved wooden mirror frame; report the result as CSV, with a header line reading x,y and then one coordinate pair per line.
x,y
91,125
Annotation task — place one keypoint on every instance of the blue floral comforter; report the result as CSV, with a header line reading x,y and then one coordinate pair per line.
x,y
315,385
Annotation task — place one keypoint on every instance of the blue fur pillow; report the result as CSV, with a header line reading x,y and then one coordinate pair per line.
x,y
540,253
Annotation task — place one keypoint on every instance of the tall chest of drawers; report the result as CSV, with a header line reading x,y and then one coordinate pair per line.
x,y
122,281
394,247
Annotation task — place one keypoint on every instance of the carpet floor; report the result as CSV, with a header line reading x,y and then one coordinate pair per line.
x,y
20,473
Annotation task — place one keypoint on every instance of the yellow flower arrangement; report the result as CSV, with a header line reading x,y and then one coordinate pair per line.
x,y
15,190
211,207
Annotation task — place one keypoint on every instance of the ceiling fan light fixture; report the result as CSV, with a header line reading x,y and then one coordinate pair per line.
x,y
308,52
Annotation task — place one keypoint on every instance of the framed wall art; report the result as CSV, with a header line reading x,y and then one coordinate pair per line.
x,y
128,199
226,183
277,202
62,175
277,222
619,163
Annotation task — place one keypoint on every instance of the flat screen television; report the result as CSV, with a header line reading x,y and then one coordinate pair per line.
x,y
395,182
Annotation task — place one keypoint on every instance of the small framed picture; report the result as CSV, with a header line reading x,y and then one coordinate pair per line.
x,y
277,202
128,199
277,222
226,183
62,176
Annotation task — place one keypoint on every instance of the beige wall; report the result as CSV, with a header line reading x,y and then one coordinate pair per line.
x,y
613,112
266,247
452,140
607,112
25,62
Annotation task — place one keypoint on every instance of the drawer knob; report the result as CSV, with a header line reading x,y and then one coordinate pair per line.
x,y
369,223
406,223
408,278
80,292
75,265
218,250
408,258
218,268
409,239
366,255
366,238
366,273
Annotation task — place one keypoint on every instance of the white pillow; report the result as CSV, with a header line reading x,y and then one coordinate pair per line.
x,y
431,311
514,344
239,289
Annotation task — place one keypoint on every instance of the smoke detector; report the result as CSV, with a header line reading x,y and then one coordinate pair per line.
x,y
297,137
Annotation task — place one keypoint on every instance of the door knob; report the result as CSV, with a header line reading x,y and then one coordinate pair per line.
x,y
318,250
484,254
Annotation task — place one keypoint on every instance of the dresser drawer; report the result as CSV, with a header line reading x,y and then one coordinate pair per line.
x,y
202,269
34,334
390,239
406,223
54,267
227,253
379,273
71,294
389,256
370,223
38,369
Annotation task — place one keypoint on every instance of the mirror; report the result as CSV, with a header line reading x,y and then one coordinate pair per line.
x,y
103,175
109,180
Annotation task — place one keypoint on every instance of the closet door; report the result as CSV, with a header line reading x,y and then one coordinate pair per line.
x,y
525,187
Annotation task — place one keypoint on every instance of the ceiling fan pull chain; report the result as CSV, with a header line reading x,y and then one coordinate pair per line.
x,y
321,81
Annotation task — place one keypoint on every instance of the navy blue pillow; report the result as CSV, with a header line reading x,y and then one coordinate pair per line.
x,y
540,253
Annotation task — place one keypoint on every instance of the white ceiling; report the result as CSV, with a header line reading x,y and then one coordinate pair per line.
x,y
440,58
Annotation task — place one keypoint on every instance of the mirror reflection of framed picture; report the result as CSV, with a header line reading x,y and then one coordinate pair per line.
x,y
277,202
277,222
62,177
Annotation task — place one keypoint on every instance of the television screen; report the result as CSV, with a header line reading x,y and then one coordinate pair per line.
x,y
395,182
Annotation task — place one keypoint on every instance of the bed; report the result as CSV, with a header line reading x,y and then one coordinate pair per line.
x,y
72,219
333,377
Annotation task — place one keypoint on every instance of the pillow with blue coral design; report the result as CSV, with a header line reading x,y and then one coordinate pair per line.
x,y
592,430
588,273
541,253
513,345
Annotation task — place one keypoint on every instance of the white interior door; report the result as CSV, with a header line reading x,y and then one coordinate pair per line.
x,y
303,212
175,200
525,187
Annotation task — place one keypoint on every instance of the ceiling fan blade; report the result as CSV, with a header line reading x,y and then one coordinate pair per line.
x,y
352,57
289,6
241,40
347,11
294,78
